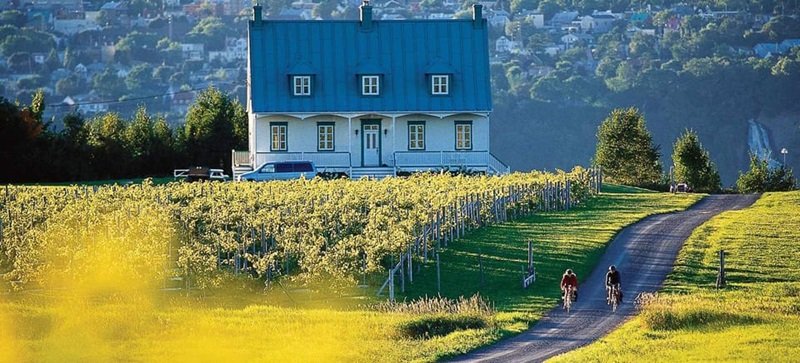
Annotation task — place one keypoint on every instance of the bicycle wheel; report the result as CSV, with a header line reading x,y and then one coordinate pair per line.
x,y
614,299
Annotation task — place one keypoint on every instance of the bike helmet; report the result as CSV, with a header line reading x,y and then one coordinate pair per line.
x,y
569,271
612,268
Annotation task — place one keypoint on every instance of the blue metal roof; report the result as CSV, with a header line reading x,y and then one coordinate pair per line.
x,y
403,52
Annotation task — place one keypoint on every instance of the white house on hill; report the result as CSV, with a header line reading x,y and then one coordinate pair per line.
x,y
370,97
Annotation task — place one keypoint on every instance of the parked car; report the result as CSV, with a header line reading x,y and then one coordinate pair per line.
x,y
680,188
281,170
199,173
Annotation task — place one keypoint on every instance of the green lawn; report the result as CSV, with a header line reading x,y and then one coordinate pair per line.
x,y
575,239
756,318
615,188
311,327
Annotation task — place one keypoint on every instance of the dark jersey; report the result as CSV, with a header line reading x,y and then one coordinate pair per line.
x,y
612,278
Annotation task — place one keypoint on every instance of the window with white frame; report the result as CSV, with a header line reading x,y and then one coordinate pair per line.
x,y
440,84
302,85
463,135
325,136
416,135
370,85
278,133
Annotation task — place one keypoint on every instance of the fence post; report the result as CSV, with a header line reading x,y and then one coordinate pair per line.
x,y
569,194
391,285
721,272
410,266
480,265
438,275
402,275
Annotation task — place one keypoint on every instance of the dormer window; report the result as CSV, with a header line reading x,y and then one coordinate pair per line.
x,y
440,84
301,85
370,85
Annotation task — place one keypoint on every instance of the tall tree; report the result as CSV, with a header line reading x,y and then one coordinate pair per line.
x,y
692,163
139,140
106,140
215,125
625,149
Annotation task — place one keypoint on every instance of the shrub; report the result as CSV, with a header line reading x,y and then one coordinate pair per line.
x,y
761,178
428,326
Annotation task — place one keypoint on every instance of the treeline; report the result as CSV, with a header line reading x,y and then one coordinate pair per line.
x,y
626,153
109,146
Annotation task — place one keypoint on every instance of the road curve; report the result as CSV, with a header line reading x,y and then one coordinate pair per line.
x,y
644,253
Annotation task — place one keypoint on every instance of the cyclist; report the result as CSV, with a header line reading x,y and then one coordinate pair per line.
x,y
613,279
569,279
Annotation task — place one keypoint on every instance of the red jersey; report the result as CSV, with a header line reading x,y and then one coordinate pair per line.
x,y
569,280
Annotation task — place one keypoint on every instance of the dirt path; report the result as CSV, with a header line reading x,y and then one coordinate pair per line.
x,y
644,253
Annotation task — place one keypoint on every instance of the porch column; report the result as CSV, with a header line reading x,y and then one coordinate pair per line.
x,y
350,142
394,138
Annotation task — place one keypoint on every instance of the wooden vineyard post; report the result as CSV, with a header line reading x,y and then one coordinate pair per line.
x,y
391,285
480,266
410,266
425,243
529,276
569,195
402,275
438,275
721,272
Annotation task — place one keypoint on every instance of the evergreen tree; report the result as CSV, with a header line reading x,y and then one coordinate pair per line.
x,y
692,164
625,149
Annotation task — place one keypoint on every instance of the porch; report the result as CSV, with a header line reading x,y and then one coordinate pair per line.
x,y
400,161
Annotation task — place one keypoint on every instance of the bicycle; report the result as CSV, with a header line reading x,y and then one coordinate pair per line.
x,y
568,299
614,298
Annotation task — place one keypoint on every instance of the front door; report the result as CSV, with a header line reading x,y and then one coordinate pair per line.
x,y
371,143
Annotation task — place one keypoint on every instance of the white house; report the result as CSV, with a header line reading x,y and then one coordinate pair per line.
x,y
370,97
505,45
192,51
536,18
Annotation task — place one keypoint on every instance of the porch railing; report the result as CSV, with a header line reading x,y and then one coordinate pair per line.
x,y
481,160
322,160
498,166
241,158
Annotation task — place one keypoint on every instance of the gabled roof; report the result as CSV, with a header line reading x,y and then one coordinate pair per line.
x,y
404,52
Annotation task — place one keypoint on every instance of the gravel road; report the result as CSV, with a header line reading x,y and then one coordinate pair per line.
x,y
644,253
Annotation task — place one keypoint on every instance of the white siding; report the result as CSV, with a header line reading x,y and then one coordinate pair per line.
x,y
439,134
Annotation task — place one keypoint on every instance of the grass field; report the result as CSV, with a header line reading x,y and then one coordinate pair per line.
x,y
756,318
289,325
